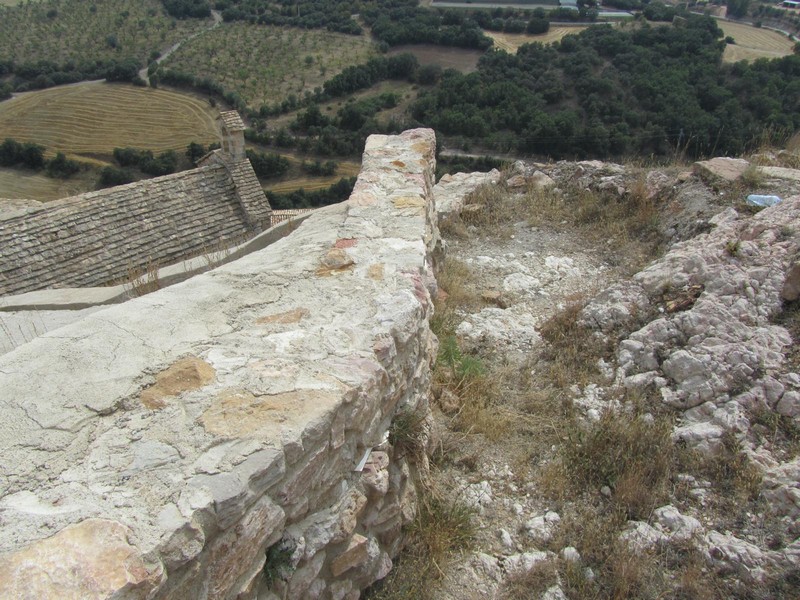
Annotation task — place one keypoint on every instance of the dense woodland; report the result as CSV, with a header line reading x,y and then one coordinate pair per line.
x,y
606,92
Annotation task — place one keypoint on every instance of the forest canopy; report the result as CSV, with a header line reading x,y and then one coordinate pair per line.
x,y
614,92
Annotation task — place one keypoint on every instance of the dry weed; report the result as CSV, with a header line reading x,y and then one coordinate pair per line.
x,y
441,528
141,281
629,454
573,351
729,470
530,585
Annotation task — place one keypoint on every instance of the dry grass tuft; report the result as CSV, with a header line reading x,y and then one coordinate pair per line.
x,y
453,279
492,209
573,350
631,455
141,281
730,471
407,434
531,585
627,226
442,528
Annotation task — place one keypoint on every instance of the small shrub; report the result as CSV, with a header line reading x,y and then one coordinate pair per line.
x,y
733,247
278,564
407,434
752,178
111,176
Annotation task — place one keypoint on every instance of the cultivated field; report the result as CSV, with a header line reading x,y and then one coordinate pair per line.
x,y
266,64
16,183
91,119
460,59
753,43
510,42
116,29
312,184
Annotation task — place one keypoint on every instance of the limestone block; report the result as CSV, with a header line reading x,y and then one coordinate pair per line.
x,y
791,287
183,539
727,169
91,560
355,554
242,547
304,576
375,475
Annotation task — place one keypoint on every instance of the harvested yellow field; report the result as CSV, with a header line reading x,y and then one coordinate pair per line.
x,y
510,42
309,184
91,119
753,42
15,183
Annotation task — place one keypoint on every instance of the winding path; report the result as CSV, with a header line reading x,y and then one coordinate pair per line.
x,y
217,19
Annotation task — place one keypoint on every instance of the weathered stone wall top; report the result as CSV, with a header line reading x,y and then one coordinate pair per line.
x,y
157,447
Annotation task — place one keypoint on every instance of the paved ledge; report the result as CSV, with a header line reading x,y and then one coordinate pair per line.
x,y
157,448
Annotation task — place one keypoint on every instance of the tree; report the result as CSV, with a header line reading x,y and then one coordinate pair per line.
x,y
194,151
738,8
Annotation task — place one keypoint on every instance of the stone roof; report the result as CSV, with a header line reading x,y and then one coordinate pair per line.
x,y
231,120
102,237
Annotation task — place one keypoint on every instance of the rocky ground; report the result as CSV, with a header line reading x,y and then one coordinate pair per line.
x,y
664,333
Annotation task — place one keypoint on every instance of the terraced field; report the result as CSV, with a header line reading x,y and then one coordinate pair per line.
x,y
89,120
78,30
753,42
510,42
266,64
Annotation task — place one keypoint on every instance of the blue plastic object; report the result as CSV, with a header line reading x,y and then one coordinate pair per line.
x,y
759,200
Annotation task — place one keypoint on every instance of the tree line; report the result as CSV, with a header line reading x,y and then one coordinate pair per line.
x,y
31,156
26,76
339,191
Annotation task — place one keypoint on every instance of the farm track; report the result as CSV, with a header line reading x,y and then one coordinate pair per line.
x,y
510,42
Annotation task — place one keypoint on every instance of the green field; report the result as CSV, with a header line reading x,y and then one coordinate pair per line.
x,y
76,33
89,120
266,64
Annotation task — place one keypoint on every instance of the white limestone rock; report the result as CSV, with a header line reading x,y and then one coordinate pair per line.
x,y
519,564
541,528
724,550
641,536
478,496
679,527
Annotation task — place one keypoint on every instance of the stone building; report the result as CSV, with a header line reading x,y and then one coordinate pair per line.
x,y
104,237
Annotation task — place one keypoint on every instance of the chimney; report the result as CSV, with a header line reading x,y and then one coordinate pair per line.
x,y
232,135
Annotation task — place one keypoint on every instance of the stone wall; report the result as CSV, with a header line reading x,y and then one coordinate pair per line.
x,y
205,441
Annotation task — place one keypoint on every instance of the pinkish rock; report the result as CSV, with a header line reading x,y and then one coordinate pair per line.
x,y
90,560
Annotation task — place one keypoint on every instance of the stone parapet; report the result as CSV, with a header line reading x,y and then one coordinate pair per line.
x,y
203,441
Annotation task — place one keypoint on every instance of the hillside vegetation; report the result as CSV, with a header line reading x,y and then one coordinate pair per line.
x,y
77,31
280,61
608,92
